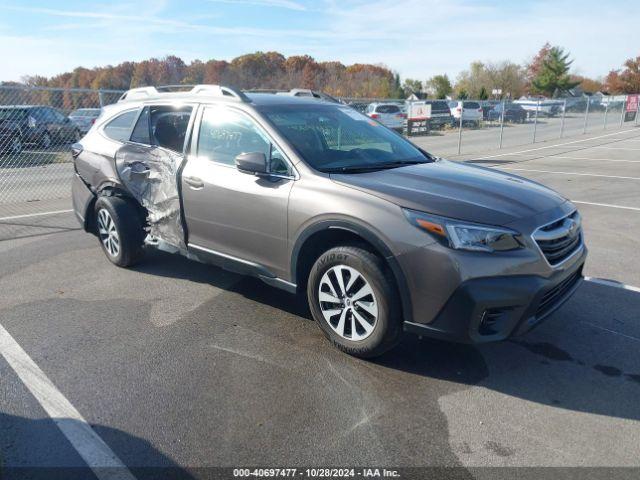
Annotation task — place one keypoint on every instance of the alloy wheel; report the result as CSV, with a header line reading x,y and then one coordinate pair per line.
x,y
348,302
108,233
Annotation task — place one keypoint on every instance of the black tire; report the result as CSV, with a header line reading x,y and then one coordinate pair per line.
x,y
15,146
387,329
46,140
129,229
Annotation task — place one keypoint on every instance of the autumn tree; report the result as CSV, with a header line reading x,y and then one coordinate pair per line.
x,y
553,75
626,80
535,65
587,84
259,70
411,85
439,86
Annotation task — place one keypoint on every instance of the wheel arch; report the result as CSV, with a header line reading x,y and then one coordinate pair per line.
x,y
326,234
108,189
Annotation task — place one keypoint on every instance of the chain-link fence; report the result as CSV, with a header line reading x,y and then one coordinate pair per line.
x,y
38,125
473,126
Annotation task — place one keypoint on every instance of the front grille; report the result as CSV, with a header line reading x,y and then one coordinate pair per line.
x,y
554,296
560,239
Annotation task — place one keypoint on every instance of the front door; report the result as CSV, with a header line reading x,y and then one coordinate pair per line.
x,y
229,212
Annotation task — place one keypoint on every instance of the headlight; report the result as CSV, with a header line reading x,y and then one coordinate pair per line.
x,y
465,236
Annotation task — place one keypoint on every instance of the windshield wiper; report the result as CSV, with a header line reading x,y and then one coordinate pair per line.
x,y
377,166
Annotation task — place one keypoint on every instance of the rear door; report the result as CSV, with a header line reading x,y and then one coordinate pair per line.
x,y
229,213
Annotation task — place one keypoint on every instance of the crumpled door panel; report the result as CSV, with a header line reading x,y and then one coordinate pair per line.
x,y
150,175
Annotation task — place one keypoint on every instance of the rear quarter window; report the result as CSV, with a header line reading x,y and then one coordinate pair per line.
x,y
120,127
388,109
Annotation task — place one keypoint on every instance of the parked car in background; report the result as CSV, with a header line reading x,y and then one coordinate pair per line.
x,y
40,125
440,113
543,106
512,113
84,118
389,114
10,131
471,112
487,106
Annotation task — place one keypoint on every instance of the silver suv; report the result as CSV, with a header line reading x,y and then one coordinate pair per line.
x,y
312,196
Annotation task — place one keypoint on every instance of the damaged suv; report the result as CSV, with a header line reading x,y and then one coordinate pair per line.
x,y
312,196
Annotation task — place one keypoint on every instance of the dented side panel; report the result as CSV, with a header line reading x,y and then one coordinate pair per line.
x,y
150,174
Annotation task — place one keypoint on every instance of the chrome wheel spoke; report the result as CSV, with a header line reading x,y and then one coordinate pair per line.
x,y
340,326
339,271
352,317
108,233
362,293
326,297
370,307
368,328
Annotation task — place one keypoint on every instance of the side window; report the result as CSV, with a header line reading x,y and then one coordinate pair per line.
x,y
225,134
120,127
141,132
169,126
38,114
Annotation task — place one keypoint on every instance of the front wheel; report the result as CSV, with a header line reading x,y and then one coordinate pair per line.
x,y
354,301
120,230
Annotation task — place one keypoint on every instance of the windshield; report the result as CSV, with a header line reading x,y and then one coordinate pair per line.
x,y
332,138
12,114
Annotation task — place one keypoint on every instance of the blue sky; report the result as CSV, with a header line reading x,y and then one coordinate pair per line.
x,y
417,38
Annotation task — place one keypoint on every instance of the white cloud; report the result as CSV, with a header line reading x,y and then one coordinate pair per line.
x,y
286,4
418,38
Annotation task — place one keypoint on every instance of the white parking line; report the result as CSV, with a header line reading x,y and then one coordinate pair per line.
x,y
616,148
596,159
611,283
630,337
97,455
571,173
15,217
632,130
607,205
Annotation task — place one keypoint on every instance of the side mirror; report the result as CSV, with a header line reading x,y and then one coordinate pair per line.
x,y
252,162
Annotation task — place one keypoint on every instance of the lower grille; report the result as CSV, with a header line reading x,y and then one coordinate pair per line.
x,y
554,296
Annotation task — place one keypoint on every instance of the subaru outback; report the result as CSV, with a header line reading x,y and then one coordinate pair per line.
x,y
316,198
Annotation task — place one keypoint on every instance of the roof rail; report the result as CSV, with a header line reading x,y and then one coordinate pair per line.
x,y
141,93
138,93
219,90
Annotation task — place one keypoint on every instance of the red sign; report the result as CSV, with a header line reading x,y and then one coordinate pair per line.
x,y
632,103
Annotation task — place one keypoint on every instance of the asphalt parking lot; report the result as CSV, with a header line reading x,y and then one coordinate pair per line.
x,y
177,364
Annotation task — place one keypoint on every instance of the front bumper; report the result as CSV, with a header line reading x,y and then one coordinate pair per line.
x,y
494,308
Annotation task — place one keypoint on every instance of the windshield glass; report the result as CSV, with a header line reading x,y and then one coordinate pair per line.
x,y
335,138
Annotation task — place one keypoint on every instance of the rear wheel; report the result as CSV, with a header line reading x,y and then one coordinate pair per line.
x,y
120,230
45,140
353,299
15,147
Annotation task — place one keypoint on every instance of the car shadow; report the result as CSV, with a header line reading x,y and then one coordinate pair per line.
x,y
583,358
36,449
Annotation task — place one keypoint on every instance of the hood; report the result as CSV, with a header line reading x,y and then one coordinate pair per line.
x,y
456,190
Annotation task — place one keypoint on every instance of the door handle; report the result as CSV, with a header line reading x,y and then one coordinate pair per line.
x,y
194,182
